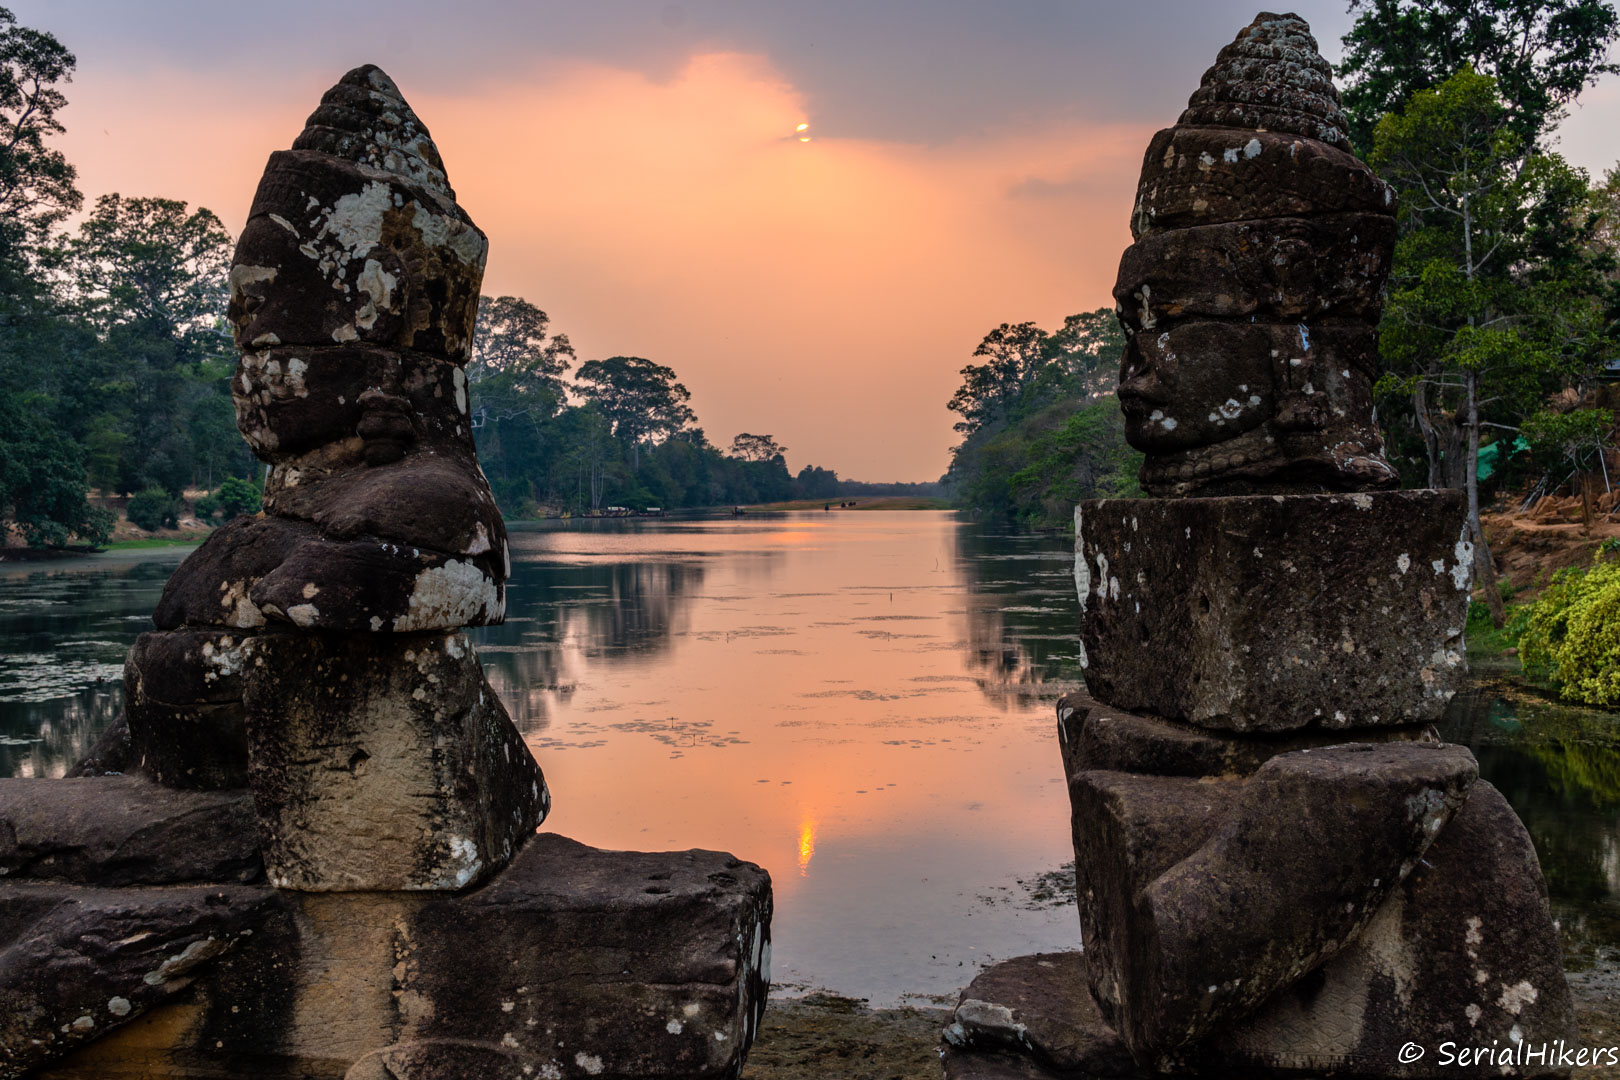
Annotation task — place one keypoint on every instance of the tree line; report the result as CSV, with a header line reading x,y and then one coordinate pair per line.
x,y
1502,320
115,366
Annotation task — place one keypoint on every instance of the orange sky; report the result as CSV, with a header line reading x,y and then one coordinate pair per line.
x,y
824,292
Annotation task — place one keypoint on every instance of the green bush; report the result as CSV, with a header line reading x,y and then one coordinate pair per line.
x,y
1571,634
238,496
153,509
207,508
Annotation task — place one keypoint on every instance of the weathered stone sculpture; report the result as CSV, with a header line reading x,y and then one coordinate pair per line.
x,y
322,770
1280,869
1250,298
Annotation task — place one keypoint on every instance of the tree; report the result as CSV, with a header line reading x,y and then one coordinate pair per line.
x,y
515,368
149,277
42,475
36,180
640,399
1013,354
1040,424
42,484
1086,353
756,447
1542,54
1490,295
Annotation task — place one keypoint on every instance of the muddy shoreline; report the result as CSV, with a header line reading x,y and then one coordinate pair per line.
x,y
827,1037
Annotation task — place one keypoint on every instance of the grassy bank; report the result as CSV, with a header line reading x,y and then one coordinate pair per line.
x,y
141,544
869,502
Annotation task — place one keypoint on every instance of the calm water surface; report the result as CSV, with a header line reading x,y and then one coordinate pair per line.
x,y
860,702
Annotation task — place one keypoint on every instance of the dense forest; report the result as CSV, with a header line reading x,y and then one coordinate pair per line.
x,y
1502,322
115,367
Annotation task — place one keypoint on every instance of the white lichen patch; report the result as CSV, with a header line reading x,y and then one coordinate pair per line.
x,y
118,1006
1403,562
449,596
1462,574
674,1027
1514,998
591,1063
304,615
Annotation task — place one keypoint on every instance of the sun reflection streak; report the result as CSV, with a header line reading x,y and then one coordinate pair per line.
x,y
807,844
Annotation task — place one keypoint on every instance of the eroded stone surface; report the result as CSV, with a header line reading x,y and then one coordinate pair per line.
x,y
1290,868
384,761
1464,951
183,706
1095,736
1283,612
125,830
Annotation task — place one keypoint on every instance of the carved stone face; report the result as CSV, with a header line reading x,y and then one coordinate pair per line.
x,y
1250,297
1193,385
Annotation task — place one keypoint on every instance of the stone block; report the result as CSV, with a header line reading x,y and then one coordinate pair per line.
x,y
1296,862
1038,1011
1271,613
438,502
1253,408
291,400
573,962
1465,951
1094,736
334,253
384,761
126,830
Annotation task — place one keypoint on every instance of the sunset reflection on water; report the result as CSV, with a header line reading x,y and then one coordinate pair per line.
x,y
841,698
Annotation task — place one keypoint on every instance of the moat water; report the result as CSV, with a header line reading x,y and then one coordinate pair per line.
x,y
861,702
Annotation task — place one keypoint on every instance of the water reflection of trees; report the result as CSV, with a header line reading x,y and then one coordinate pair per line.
x,y
46,738
605,612
1020,613
63,635
1560,768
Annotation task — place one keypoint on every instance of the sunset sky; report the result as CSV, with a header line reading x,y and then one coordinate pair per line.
x,y
638,170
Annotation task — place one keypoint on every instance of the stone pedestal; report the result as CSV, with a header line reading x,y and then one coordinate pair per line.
x,y
572,962
384,762
1275,612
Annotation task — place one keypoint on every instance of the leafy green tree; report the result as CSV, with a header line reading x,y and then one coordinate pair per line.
x,y
153,508
1572,633
818,483
1086,354
1491,300
641,399
42,484
149,278
36,181
42,471
1542,54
